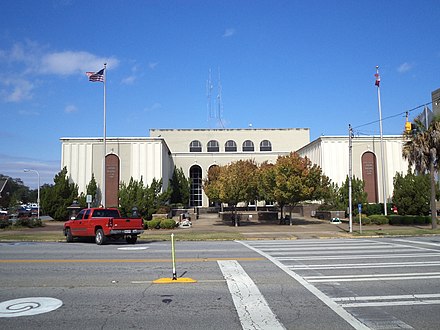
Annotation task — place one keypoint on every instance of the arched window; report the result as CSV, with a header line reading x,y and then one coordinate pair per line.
x,y
195,175
248,145
265,145
195,146
230,146
213,146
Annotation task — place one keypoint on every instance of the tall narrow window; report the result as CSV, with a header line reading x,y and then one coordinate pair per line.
x,y
195,146
265,145
213,146
195,175
248,145
230,146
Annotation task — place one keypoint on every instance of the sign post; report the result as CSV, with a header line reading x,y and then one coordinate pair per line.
x,y
88,200
360,217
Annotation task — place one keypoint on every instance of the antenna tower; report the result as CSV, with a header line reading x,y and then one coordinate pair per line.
x,y
219,102
209,95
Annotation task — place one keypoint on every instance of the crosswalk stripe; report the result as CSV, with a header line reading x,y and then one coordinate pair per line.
x,y
251,306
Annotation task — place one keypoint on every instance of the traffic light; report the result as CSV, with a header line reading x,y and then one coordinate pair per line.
x,y
408,126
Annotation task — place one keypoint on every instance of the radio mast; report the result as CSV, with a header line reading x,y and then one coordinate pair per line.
x,y
219,102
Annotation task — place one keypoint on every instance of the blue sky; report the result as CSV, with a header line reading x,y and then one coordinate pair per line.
x,y
307,64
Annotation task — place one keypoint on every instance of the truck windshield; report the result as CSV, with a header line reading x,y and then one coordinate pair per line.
x,y
105,214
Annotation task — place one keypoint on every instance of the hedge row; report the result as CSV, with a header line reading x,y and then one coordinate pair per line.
x,y
375,219
394,220
409,220
160,224
22,222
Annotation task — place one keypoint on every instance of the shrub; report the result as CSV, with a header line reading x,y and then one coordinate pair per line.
x,y
370,209
4,223
408,220
28,222
167,224
378,219
152,224
365,219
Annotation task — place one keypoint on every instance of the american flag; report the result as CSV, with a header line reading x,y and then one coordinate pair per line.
x,y
96,76
377,83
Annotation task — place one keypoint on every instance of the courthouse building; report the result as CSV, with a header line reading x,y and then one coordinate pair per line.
x,y
196,150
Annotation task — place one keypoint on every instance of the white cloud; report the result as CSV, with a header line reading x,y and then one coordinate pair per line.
x,y
70,62
37,59
13,166
404,67
70,108
229,33
25,61
16,89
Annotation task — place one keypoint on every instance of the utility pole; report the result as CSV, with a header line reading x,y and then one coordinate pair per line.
x,y
350,175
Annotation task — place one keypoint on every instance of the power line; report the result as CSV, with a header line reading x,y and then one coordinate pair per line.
x,y
396,115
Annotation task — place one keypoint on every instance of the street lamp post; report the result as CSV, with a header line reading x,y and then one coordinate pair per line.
x,y
38,190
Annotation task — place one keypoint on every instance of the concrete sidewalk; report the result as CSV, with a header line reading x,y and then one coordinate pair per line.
x,y
302,228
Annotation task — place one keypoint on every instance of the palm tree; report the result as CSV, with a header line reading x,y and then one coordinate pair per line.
x,y
422,150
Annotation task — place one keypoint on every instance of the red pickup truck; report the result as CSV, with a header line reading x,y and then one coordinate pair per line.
x,y
103,223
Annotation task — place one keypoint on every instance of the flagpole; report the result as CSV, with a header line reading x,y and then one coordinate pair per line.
x,y
381,143
105,140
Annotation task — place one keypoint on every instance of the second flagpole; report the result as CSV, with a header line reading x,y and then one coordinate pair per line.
x,y
105,142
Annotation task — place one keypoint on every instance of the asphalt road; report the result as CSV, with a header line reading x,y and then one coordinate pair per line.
x,y
302,284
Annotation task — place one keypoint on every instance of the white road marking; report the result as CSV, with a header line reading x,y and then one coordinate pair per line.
x,y
327,248
133,248
388,251
418,242
354,322
392,303
372,277
367,265
365,256
392,297
411,246
252,308
28,306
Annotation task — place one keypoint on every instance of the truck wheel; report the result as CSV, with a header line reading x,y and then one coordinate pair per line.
x,y
69,237
100,237
131,239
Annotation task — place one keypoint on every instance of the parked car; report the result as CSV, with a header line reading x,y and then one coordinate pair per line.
x,y
335,221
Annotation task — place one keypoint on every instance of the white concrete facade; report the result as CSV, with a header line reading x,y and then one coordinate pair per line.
x,y
155,156
268,144
331,153
145,158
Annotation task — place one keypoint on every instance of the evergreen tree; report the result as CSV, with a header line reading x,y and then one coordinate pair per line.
x,y
147,199
412,193
180,187
422,150
56,198
92,190
358,194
